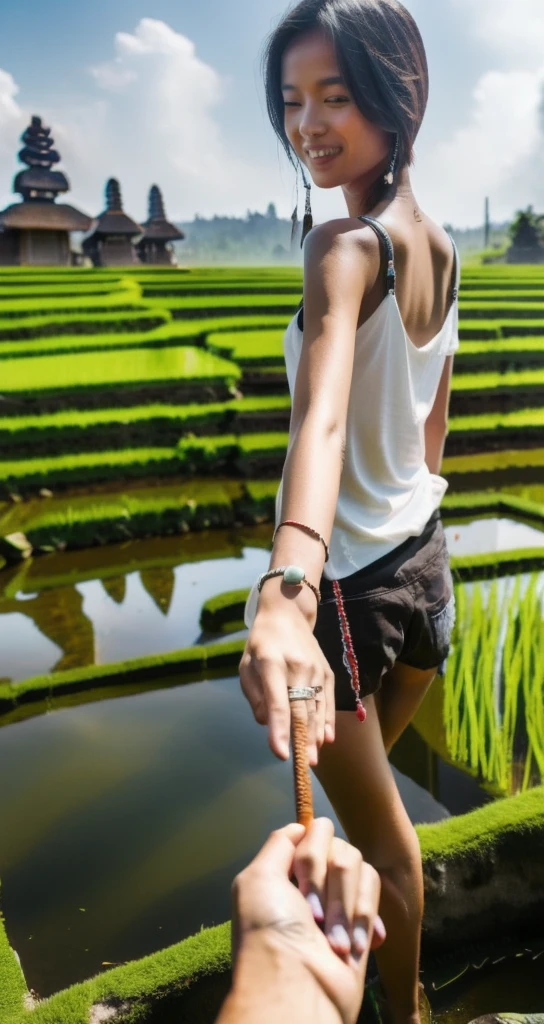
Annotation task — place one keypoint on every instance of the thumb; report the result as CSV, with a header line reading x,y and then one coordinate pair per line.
x,y
276,854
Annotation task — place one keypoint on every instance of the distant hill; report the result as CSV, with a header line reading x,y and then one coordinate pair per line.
x,y
257,238
264,238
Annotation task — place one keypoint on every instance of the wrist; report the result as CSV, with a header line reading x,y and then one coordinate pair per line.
x,y
275,593
271,983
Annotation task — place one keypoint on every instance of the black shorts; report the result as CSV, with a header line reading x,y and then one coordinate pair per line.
x,y
399,608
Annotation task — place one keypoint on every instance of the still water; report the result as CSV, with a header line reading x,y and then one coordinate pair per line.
x,y
125,820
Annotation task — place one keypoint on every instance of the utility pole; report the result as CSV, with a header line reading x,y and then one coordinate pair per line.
x,y
486,224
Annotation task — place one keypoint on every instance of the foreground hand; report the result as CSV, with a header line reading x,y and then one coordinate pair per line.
x,y
281,651
326,927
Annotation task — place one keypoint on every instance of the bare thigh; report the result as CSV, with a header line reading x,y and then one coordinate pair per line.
x,y
401,693
357,778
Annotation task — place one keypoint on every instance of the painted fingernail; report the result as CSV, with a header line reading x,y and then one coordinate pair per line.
x,y
360,938
379,928
339,935
315,906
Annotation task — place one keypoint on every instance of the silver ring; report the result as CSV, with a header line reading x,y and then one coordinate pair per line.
x,y
301,692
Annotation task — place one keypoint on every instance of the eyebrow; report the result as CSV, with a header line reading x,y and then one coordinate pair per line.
x,y
333,80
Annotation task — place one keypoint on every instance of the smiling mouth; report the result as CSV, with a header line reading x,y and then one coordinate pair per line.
x,y
317,154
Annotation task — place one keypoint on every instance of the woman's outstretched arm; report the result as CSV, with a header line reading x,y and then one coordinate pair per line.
x,y
281,650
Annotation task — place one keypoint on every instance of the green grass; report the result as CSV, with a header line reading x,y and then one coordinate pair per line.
x,y
491,421
136,318
12,983
192,414
225,301
168,333
248,346
82,304
494,686
56,373
487,462
496,381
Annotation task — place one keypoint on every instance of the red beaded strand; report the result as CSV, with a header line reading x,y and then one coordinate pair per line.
x,y
350,661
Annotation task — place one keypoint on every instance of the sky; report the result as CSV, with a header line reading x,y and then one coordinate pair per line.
x,y
170,92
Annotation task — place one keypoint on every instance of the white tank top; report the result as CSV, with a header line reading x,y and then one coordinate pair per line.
x,y
387,493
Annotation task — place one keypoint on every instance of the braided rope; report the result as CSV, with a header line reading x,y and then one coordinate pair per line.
x,y
349,659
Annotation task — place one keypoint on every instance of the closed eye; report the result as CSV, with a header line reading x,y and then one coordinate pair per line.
x,y
331,99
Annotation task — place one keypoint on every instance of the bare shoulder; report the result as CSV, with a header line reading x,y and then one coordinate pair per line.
x,y
340,236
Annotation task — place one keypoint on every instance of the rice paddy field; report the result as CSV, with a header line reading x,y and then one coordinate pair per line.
x,y
144,418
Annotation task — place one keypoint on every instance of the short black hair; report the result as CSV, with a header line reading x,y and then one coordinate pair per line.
x,y
381,57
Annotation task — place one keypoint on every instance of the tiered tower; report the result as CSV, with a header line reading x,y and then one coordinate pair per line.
x,y
153,247
110,242
37,231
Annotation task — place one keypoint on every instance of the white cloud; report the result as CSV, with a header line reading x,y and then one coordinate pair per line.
x,y
514,28
12,122
499,153
157,119
163,124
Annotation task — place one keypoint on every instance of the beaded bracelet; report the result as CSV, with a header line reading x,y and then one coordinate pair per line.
x,y
292,574
309,529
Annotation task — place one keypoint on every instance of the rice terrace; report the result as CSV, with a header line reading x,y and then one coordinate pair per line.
x,y
143,431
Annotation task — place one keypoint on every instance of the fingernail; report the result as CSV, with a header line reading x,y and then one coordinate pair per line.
x,y
379,928
360,938
339,935
315,906
329,733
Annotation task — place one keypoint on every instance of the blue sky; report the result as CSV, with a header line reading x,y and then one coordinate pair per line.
x,y
170,92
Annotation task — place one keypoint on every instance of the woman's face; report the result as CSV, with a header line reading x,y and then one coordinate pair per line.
x,y
320,115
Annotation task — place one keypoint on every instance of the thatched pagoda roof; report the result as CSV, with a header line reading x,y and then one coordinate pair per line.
x,y
43,215
157,227
114,220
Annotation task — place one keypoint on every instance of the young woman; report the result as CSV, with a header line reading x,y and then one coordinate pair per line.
x,y
369,359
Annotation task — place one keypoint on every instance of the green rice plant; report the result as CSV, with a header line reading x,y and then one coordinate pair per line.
x,y
55,373
137,318
494,685
248,347
209,302
488,462
29,307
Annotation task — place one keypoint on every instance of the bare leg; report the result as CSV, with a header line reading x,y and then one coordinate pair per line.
x,y
401,693
355,773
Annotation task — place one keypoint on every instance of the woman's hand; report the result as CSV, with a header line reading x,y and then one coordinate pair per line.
x,y
281,651
316,937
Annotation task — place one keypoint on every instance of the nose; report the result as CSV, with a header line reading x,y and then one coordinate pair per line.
x,y
311,125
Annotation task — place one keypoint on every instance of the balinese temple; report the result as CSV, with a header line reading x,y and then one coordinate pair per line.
x,y
110,242
37,231
154,245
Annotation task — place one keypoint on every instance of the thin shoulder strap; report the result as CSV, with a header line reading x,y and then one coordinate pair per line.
x,y
391,274
384,235
456,267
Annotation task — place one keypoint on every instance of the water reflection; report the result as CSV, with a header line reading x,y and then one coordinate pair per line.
x,y
127,820
144,597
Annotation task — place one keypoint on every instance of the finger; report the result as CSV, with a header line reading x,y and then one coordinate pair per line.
x,y
343,882
365,914
320,710
310,864
276,854
273,678
330,708
253,692
311,731
379,933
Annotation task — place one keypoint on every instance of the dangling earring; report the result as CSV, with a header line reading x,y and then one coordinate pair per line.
x,y
294,219
389,176
307,222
